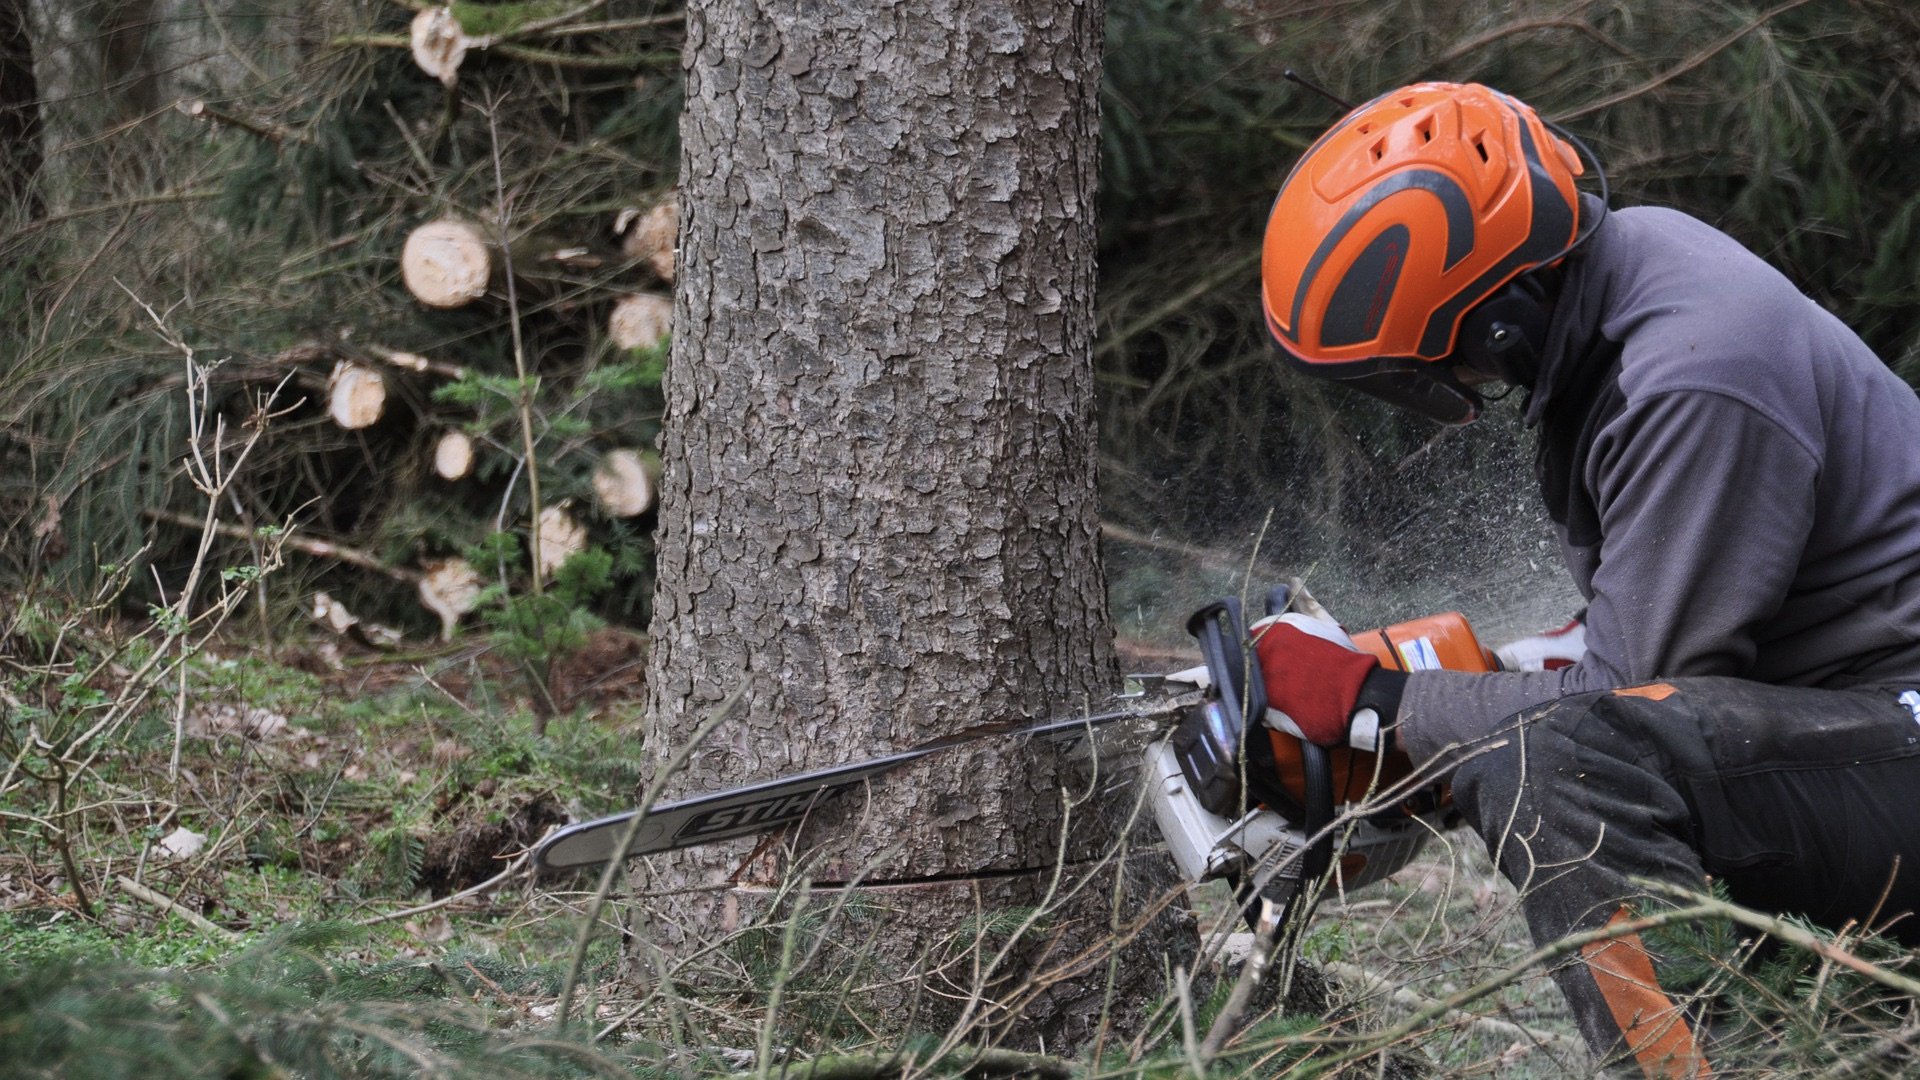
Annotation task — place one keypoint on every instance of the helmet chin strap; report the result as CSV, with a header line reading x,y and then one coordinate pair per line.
x,y
1506,390
1508,357
1501,337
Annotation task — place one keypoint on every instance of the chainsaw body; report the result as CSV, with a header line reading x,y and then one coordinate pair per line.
x,y
1255,805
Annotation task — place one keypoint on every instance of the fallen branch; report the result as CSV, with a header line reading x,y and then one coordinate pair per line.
x,y
1252,973
527,53
278,134
494,882
356,395
170,906
314,352
414,362
319,549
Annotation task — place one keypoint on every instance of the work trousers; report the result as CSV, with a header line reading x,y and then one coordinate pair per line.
x,y
1800,801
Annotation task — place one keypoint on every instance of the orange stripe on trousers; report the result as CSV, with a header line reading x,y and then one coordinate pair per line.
x,y
1656,1030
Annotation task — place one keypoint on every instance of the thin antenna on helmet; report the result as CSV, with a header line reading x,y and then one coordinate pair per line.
x,y
1295,77
1606,192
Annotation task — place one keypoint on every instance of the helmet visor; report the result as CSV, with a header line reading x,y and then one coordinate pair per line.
x,y
1430,390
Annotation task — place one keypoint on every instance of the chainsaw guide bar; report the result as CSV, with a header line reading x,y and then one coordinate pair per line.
x,y
774,804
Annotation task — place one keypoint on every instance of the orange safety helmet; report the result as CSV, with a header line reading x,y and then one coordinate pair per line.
x,y
1404,219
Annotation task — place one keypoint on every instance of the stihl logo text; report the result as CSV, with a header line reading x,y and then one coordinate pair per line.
x,y
748,817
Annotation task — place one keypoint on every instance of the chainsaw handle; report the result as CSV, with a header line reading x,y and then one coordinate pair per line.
x,y
1232,665
1316,766
1239,698
1234,668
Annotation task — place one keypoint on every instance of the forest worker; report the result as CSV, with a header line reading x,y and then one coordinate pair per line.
x,y
1735,481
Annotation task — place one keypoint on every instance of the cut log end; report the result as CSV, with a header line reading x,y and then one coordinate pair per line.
x,y
561,538
453,455
640,321
446,263
449,589
439,44
625,482
653,236
356,395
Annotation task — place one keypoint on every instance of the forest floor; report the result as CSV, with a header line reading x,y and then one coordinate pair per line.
x,y
322,784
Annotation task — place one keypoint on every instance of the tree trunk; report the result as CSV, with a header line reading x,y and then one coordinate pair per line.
x,y
878,513
20,151
129,68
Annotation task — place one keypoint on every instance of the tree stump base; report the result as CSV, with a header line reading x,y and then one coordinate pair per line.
x,y
1048,988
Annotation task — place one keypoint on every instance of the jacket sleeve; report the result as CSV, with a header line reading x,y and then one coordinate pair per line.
x,y
1705,509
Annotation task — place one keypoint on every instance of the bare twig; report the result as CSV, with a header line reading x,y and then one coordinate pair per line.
x,y
1366,1045
1785,931
581,61
1686,65
1367,982
319,549
1525,26
513,869
1252,973
980,1064
1232,269
407,361
641,22
537,26
725,711
277,134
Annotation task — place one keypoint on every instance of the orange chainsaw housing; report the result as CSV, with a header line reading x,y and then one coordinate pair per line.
x,y
1436,642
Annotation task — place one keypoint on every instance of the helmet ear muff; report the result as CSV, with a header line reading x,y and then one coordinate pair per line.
x,y
1500,335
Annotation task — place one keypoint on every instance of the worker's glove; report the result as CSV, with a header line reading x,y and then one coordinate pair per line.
x,y
1550,651
1318,681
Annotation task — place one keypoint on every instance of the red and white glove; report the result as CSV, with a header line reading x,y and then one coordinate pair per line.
x,y
1550,651
1316,677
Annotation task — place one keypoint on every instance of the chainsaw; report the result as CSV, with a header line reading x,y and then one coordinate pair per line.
x,y
1265,810
1249,803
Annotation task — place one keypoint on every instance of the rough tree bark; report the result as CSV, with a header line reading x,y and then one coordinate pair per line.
x,y
878,513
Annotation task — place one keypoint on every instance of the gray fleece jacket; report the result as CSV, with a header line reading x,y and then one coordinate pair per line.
x,y
1733,474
